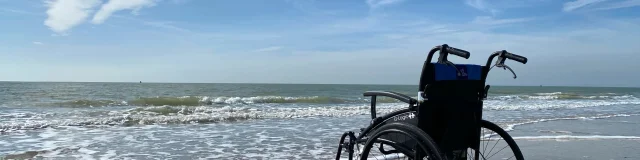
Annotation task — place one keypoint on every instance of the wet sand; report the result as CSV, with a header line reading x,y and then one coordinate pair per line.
x,y
611,149
598,139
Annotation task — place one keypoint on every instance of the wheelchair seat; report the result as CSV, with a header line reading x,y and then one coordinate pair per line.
x,y
452,109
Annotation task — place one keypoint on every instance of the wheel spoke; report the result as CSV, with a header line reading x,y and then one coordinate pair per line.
x,y
494,145
510,157
498,151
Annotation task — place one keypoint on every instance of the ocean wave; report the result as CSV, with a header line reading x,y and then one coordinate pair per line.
x,y
562,96
88,103
551,105
198,114
206,100
511,127
239,100
279,99
34,153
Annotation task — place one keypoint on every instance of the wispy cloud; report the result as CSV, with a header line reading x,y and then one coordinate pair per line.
x,y
66,14
481,5
422,30
486,20
577,4
310,7
17,11
157,24
373,4
268,49
623,4
116,5
477,4
38,43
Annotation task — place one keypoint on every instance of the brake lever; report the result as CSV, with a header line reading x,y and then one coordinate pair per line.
x,y
500,64
507,67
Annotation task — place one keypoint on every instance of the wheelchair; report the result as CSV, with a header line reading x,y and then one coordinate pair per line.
x,y
444,122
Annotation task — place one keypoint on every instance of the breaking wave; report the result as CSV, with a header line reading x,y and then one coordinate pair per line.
x,y
561,96
511,127
601,99
198,114
205,100
552,105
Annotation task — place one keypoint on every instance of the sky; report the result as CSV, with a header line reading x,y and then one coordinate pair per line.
x,y
567,42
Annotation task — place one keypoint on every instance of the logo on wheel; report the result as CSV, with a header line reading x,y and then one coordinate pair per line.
x,y
404,117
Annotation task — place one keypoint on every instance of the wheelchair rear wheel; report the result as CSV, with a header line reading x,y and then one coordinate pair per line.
x,y
407,142
495,143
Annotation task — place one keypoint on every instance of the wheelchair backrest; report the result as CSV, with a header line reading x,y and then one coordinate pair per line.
x,y
444,82
452,109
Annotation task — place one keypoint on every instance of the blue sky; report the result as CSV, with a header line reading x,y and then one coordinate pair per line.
x,y
572,42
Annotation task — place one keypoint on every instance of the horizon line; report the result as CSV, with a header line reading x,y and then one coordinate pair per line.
x,y
391,84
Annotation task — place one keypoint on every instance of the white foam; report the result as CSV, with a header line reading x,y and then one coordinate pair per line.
x,y
528,105
110,154
550,131
205,114
548,94
511,127
48,133
270,99
87,151
561,96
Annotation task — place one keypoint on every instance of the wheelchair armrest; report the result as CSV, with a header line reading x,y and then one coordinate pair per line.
x,y
395,95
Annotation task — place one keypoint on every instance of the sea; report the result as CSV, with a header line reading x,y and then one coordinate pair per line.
x,y
249,121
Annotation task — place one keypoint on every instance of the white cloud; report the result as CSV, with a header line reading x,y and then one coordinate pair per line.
x,y
37,43
116,5
379,3
66,14
268,49
570,6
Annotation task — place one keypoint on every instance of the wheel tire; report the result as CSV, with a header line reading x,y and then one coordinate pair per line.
x,y
505,136
424,141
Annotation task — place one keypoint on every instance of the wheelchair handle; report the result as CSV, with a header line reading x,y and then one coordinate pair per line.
x,y
444,49
508,55
514,57
455,51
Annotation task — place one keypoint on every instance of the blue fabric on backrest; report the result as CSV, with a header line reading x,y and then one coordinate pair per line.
x,y
447,72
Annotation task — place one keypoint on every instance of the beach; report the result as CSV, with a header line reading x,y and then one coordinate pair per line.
x,y
260,121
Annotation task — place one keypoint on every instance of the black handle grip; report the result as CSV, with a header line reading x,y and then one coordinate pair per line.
x,y
516,57
458,52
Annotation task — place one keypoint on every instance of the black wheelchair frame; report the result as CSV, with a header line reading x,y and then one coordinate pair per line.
x,y
407,115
